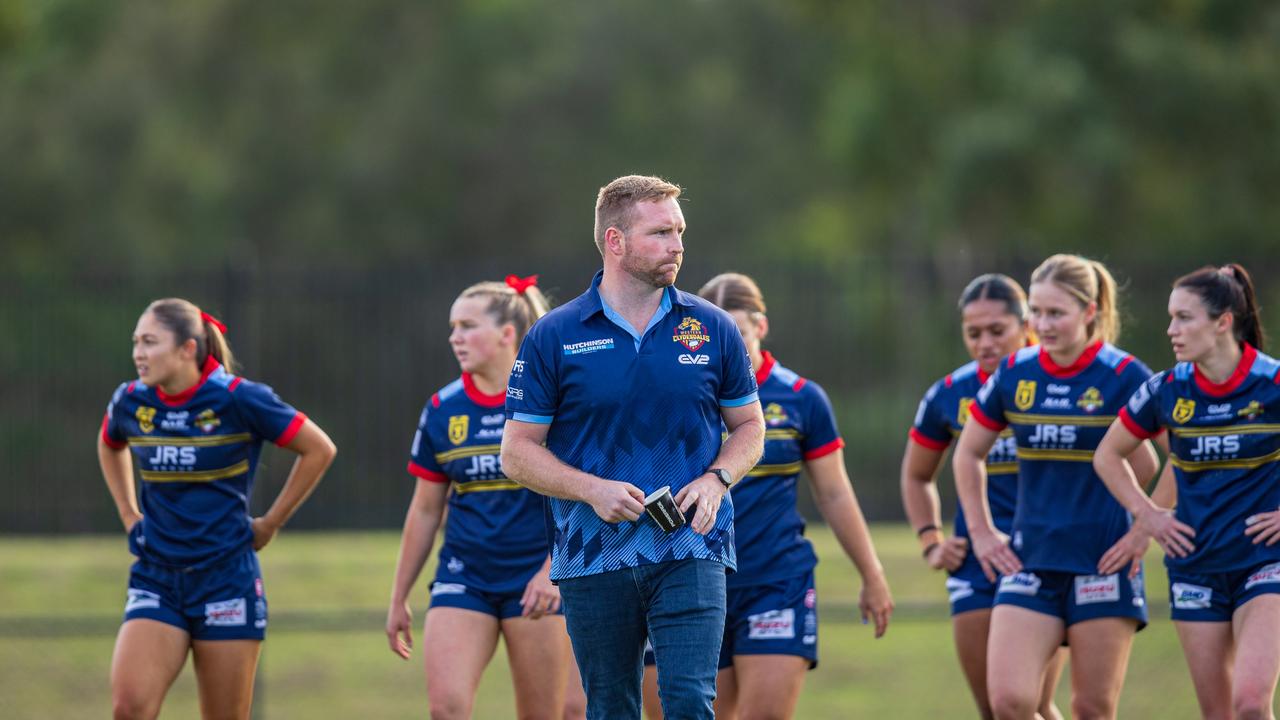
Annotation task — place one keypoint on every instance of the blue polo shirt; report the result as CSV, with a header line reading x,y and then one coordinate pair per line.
x,y
1225,444
640,406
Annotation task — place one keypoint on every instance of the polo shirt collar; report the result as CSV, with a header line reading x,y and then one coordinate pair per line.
x,y
592,303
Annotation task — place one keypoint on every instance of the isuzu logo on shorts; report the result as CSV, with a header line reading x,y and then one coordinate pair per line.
x,y
1267,575
772,625
226,613
1097,588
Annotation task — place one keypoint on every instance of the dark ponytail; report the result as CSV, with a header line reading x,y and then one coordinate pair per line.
x,y
188,322
1228,289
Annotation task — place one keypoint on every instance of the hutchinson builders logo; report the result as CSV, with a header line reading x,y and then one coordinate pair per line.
x,y
691,334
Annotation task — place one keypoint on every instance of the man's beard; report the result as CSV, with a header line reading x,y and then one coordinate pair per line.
x,y
658,278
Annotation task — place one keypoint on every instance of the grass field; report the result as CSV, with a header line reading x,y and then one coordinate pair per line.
x,y
326,655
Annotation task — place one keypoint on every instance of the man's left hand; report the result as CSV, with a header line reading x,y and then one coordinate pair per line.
x,y
704,493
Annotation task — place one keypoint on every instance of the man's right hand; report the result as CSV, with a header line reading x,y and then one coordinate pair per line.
x,y
615,501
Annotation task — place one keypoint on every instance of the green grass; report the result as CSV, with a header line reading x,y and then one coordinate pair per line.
x,y
326,655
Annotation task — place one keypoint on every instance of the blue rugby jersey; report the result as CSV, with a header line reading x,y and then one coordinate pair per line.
x,y
197,453
495,539
799,426
1225,443
1065,518
637,406
940,418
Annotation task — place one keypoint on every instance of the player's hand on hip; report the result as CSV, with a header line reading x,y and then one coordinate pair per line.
x,y
1172,535
617,501
399,632
541,596
991,548
263,532
1127,553
705,493
1263,527
949,554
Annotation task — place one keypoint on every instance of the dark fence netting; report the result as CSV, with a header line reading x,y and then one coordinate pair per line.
x,y
360,350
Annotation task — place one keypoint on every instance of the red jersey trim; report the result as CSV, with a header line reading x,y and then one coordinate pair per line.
x,y
106,419
822,450
1241,372
983,377
925,441
798,384
479,397
1123,364
418,471
234,384
976,413
290,432
766,367
1132,426
1080,363
210,364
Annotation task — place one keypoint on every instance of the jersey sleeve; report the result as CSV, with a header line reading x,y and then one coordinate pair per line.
x,y
821,437
112,431
422,454
738,381
1141,415
989,407
533,390
266,414
930,428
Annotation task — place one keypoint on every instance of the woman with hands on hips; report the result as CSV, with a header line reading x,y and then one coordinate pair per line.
x,y
993,324
493,574
1221,407
196,431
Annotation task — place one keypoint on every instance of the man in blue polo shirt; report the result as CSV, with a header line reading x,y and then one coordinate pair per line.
x,y
614,395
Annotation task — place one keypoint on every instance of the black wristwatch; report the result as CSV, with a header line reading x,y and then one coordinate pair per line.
x,y
723,476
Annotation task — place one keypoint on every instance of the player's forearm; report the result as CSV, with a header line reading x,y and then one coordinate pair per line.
x,y
844,515
971,489
1118,475
535,467
317,453
117,471
742,449
420,528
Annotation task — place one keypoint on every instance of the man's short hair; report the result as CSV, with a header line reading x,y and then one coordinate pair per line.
x,y
616,200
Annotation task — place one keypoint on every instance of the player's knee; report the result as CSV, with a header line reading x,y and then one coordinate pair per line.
x,y
575,708
1092,707
449,705
1009,703
1251,701
127,705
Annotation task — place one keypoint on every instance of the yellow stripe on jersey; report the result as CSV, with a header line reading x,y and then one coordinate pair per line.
x,y
239,468
782,434
1047,454
1002,468
197,441
1246,429
485,486
1232,464
1078,420
463,452
787,469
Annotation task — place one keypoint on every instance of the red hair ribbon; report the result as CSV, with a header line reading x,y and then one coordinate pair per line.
x,y
222,328
520,285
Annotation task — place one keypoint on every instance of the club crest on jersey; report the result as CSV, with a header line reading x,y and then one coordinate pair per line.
x,y
208,421
1090,401
146,418
962,412
458,426
1025,395
1251,411
774,414
691,334
1183,410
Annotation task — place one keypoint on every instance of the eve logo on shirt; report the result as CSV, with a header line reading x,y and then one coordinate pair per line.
x,y
1053,435
1216,445
170,455
687,359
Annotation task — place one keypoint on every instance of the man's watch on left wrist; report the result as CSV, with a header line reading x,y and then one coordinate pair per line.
x,y
723,476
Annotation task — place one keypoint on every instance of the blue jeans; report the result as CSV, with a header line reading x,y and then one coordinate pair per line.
x,y
678,605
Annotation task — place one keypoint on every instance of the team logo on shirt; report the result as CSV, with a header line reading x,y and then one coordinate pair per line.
x,y
774,414
1025,396
207,420
962,412
1183,410
691,334
146,418
1251,411
1090,401
458,426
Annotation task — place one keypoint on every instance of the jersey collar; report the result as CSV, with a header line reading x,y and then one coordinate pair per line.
x,y
983,375
592,303
477,396
1081,362
211,366
1209,387
766,367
